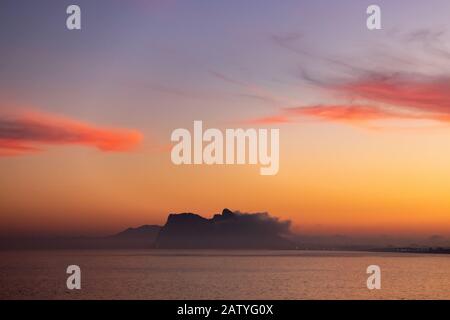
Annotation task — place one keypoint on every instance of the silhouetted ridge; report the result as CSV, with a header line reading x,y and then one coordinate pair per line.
x,y
145,231
142,237
229,230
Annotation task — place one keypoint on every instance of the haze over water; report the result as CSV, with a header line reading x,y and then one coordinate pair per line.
x,y
214,274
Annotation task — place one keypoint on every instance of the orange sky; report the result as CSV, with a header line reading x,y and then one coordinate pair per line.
x,y
362,181
364,117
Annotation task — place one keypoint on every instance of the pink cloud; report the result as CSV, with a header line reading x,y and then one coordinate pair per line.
x,y
428,95
351,113
29,132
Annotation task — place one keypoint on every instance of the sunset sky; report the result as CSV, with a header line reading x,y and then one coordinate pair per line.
x,y
86,116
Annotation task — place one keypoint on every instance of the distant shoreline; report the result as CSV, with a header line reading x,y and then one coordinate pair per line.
x,y
414,250
399,250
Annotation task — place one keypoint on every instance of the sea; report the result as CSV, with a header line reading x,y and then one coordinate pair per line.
x,y
222,274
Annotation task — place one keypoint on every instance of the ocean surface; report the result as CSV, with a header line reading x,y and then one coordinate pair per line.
x,y
207,274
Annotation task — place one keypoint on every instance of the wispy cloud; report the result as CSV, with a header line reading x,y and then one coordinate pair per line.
x,y
427,94
383,91
251,90
29,132
377,97
351,114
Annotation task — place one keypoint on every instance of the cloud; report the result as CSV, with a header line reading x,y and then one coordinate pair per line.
x,y
392,84
229,230
389,86
432,41
345,113
348,113
258,222
28,132
427,94
293,43
251,90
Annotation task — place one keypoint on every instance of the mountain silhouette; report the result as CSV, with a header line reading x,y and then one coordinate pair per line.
x,y
229,230
146,231
142,237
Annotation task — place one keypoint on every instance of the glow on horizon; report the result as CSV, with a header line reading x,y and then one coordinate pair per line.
x,y
357,154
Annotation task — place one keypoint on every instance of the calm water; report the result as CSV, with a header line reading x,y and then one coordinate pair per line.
x,y
222,275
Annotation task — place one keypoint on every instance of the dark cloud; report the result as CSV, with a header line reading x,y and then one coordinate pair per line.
x,y
258,222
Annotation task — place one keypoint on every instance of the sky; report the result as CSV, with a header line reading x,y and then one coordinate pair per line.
x,y
86,116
